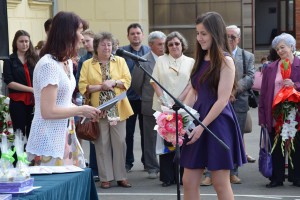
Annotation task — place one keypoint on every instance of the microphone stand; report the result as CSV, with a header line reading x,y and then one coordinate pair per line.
x,y
176,107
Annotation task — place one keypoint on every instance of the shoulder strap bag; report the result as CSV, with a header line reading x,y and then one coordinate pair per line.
x,y
88,130
265,157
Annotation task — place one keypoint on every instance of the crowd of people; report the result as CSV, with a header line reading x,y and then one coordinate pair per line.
x,y
46,84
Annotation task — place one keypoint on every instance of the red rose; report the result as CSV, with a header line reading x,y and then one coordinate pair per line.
x,y
9,123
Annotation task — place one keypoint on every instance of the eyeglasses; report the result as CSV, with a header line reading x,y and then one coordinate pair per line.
x,y
231,37
175,43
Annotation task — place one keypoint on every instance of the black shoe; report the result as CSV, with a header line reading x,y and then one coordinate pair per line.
x,y
274,184
296,183
166,184
96,178
128,168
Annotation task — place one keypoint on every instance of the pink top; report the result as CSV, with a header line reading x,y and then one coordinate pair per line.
x,y
278,81
278,84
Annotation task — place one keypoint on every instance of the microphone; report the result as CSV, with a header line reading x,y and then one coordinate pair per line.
x,y
122,52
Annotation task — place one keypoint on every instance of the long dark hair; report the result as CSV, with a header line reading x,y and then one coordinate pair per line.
x,y
215,25
62,38
30,54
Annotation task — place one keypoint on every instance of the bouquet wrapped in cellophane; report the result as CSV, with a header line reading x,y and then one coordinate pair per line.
x,y
22,170
6,160
285,111
166,124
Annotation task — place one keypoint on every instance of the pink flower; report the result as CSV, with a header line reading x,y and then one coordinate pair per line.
x,y
167,127
182,132
171,126
161,120
169,137
169,117
162,131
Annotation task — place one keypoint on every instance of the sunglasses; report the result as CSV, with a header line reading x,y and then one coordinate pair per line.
x,y
231,37
175,43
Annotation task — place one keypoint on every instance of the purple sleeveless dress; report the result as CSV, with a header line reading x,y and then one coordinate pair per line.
x,y
207,151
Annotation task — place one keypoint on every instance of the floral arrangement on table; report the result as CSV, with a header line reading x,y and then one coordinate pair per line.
x,y
5,121
285,108
166,125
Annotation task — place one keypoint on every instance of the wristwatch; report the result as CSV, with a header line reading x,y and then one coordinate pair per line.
x,y
115,84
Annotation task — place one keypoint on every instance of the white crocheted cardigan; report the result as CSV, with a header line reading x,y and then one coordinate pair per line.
x,y
47,137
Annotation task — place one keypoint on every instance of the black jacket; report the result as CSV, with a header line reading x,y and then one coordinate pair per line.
x,y
13,71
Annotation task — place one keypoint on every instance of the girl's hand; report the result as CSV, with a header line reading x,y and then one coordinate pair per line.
x,y
195,134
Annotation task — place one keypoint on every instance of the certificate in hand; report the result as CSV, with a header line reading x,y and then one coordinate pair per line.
x,y
109,104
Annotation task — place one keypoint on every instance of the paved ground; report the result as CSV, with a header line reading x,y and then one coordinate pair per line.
x,y
252,187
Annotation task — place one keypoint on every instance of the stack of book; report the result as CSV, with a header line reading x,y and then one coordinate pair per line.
x,y
16,186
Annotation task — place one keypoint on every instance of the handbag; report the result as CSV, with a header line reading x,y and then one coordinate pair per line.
x,y
265,157
252,99
88,130
257,81
248,124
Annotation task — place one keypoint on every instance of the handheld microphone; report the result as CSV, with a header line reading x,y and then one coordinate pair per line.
x,y
122,52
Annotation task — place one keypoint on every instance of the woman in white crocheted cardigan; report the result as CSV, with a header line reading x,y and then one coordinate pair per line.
x,y
52,139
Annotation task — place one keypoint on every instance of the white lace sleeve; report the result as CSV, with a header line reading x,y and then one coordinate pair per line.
x,y
48,74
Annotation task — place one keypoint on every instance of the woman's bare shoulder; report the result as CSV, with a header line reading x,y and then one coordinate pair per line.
x,y
228,62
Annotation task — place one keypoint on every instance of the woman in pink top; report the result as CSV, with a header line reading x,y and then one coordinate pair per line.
x,y
273,81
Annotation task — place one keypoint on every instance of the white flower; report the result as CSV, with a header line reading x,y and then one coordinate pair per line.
x,y
289,127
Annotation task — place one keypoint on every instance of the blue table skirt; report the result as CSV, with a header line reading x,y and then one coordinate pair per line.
x,y
72,186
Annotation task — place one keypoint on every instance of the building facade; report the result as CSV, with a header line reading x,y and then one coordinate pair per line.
x,y
259,20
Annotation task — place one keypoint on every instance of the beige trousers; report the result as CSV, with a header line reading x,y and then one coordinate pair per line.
x,y
111,151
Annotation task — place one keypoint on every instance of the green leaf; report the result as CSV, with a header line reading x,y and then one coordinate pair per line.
x,y
285,64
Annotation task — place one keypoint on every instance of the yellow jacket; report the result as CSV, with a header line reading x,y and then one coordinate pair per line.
x,y
91,74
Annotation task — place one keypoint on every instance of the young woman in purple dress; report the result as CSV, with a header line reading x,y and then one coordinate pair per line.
x,y
213,81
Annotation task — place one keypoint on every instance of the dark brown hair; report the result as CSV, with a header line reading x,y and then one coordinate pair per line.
x,y
85,24
30,54
134,25
215,25
47,24
40,45
62,38
100,37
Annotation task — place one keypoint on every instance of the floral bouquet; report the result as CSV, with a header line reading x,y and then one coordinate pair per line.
x,y
166,124
285,110
5,121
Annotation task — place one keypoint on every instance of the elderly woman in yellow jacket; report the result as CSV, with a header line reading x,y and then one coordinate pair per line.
x,y
103,77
